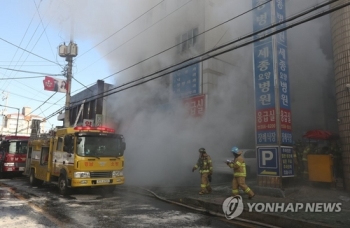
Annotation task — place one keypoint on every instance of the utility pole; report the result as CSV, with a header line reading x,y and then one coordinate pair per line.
x,y
3,111
68,52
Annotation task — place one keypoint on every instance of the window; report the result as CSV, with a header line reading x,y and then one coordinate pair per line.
x,y
250,154
44,155
187,40
18,147
60,144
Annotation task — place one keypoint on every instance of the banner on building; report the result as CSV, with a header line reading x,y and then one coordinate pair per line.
x,y
195,105
54,84
265,96
270,72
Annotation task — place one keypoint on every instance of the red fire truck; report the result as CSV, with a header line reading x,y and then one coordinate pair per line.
x,y
13,152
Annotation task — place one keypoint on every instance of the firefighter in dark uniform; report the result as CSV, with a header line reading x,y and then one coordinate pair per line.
x,y
205,166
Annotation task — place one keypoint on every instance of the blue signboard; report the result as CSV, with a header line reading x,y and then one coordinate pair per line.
x,y
264,80
283,75
268,161
287,160
186,81
262,19
265,98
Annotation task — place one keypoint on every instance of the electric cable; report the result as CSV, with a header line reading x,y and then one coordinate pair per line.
x,y
41,104
248,11
29,72
212,50
176,44
28,51
135,36
120,29
236,47
42,24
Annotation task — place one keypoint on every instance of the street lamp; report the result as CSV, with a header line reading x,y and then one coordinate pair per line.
x,y
17,115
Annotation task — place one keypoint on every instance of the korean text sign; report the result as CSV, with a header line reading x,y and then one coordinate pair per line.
x,y
186,81
195,105
283,76
264,76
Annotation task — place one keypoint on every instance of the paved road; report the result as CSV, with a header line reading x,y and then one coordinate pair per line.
x,y
125,208
15,212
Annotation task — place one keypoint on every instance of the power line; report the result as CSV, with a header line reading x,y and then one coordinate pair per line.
x,y
29,98
188,39
29,51
41,20
29,72
181,42
121,29
42,104
218,48
323,13
135,36
22,77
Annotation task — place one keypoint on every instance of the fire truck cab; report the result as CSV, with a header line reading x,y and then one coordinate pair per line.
x,y
13,150
77,157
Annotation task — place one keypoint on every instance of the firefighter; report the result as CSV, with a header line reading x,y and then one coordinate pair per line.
x,y
205,166
239,174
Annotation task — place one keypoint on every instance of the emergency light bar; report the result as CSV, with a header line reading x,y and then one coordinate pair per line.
x,y
80,128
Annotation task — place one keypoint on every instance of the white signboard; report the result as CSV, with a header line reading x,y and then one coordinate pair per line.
x,y
88,123
99,120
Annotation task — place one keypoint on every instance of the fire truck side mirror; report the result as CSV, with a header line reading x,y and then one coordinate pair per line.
x,y
123,146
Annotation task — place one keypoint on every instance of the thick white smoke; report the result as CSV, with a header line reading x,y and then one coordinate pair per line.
x,y
162,144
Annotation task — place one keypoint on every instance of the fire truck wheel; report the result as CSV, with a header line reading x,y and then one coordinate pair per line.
x,y
63,185
32,180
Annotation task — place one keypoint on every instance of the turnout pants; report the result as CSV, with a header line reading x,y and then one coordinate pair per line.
x,y
205,185
240,182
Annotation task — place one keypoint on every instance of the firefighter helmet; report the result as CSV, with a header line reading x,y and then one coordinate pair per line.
x,y
202,150
235,150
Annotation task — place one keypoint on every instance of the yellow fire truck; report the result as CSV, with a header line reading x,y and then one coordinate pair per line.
x,y
77,157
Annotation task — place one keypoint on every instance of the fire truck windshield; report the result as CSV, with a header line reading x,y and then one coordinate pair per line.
x,y
99,146
18,147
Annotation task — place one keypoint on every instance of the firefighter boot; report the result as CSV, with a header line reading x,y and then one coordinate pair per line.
x,y
209,189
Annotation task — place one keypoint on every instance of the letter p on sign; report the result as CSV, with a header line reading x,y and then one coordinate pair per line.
x,y
266,156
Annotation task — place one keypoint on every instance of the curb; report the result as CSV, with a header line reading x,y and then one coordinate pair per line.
x,y
275,220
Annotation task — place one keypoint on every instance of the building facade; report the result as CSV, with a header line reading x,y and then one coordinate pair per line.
x,y
20,124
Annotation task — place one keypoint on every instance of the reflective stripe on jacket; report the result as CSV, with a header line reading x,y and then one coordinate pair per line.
x,y
238,166
204,164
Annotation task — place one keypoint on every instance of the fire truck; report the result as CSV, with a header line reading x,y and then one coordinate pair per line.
x,y
77,157
13,150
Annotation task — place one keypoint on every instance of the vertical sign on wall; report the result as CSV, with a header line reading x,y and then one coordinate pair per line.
x,y
272,98
264,77
270,66
283,75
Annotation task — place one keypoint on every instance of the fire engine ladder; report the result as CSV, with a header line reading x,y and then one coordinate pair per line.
x,y
80,110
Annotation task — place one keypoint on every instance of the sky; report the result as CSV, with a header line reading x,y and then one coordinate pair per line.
x,y
25,25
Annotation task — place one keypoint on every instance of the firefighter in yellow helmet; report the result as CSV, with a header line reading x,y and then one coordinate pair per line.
x,y
239,174
205,166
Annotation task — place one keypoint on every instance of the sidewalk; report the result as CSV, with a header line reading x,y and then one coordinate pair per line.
x,y
304,194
